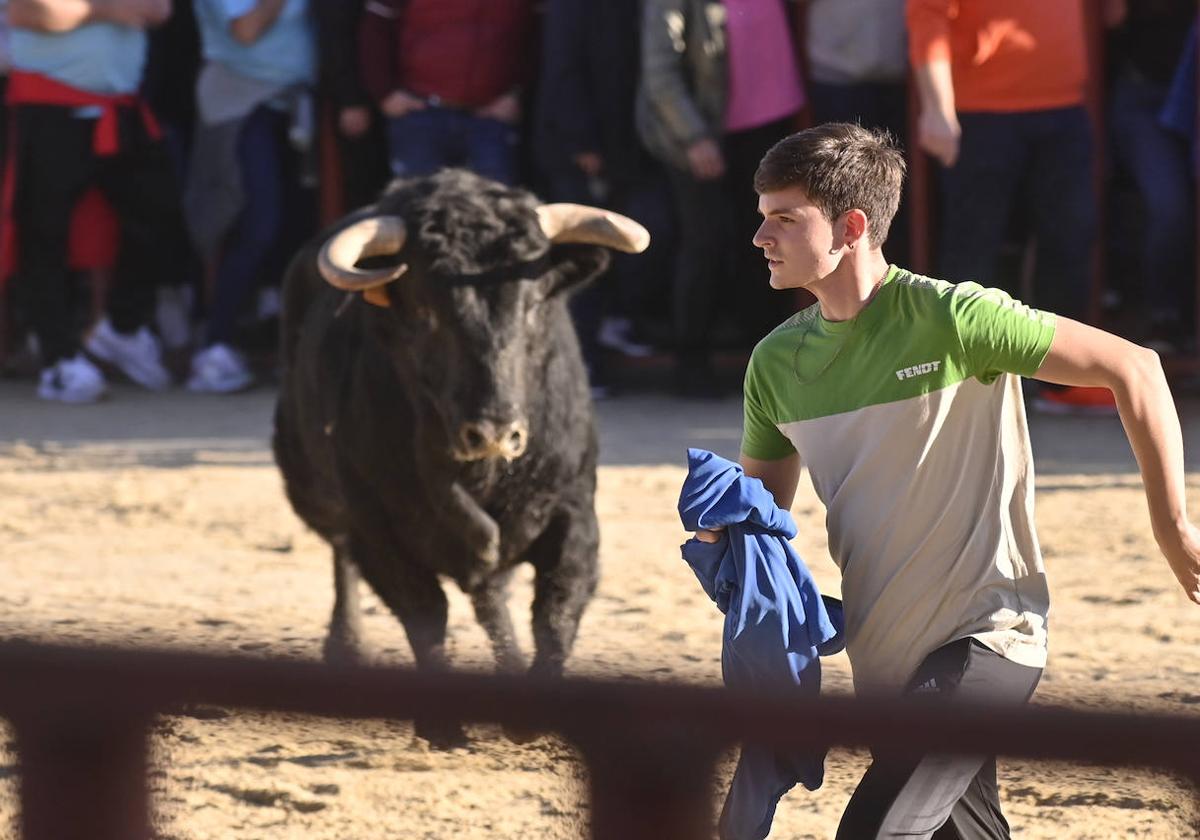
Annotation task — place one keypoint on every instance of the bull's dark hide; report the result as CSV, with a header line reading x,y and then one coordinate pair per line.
x,y
393,423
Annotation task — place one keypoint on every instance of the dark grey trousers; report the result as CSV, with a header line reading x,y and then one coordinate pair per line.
x,y
945,797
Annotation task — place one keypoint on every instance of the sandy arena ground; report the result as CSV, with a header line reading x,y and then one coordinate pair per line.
x,y
158,520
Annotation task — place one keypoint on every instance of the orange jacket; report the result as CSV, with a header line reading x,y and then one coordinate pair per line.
x,y
1005,55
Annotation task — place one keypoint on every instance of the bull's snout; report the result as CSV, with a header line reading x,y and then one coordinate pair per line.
x,y
485,439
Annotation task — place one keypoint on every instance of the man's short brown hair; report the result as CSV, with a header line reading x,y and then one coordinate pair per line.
x,y
840,167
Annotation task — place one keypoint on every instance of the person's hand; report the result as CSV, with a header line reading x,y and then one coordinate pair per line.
x,y
399,102
705,159
1113,12
589,162
505,108
1182,551
939,133
136,14
354,122
710,536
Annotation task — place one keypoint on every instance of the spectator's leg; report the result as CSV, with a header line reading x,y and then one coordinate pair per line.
x,y
1064,211
55,163
1158,161
141,185
364,164
491,148
978,195
418,143
748,285
588,304
258,225
639,280
700,271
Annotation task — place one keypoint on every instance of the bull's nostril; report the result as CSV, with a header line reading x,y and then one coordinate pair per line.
x,y
473,438
516,440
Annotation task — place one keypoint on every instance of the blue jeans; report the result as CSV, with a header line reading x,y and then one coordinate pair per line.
x,y
1157,159
275,209
422,142
1044,160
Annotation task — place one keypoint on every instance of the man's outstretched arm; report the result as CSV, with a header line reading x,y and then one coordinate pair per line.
x,y
1083,355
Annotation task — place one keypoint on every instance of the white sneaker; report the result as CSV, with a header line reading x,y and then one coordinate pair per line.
x,y
138,356
74,380
616,334
219,369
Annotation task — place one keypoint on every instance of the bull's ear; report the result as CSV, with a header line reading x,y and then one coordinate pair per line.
x,y
574,266
377,296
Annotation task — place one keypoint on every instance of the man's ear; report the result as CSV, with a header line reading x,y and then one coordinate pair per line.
x,y
856,228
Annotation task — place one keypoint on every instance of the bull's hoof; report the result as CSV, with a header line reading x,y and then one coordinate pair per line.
x,y
343,649
519,734
441,735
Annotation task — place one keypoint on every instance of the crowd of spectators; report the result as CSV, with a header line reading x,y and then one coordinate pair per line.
x,y
163,159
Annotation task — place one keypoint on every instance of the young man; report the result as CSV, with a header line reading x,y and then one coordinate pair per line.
x,y
901,395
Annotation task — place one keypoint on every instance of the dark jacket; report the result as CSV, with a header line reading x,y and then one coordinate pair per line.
x,y
337,25
588,83
684,77
466,53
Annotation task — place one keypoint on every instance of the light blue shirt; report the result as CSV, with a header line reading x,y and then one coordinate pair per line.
x,y
285,54
96,57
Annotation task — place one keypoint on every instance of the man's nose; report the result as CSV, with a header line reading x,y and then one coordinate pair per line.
x,y
761,240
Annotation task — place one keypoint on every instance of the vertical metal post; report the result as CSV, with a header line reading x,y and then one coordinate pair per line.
x,y
83,776
649,786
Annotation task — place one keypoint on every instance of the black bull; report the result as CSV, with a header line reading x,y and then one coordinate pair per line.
x,y
434,417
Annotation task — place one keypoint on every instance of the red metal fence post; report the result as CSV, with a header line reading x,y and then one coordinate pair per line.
x,y
83,776
649,785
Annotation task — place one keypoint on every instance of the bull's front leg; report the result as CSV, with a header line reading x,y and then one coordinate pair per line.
x,y
490,600
565,559
416,598
343,644
477,529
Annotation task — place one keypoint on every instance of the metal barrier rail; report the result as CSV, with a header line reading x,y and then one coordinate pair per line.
x,y
82,717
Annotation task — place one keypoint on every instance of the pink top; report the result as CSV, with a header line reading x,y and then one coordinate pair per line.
x,y
764,78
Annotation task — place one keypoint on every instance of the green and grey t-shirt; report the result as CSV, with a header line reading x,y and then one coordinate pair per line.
x,y
910,421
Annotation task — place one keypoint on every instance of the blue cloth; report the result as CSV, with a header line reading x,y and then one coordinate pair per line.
x,y
777,623
285,54
96,57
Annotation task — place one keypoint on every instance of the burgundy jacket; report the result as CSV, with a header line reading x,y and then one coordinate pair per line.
x,y
464,52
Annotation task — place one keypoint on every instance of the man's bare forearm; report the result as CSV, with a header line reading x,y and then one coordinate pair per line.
x,y
1152,426
935,86
65,15
54,15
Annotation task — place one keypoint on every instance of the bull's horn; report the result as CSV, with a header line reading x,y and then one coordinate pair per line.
x,y
376,236
592,226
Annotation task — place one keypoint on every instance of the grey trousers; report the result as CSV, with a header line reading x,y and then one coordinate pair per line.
x,y
945,797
